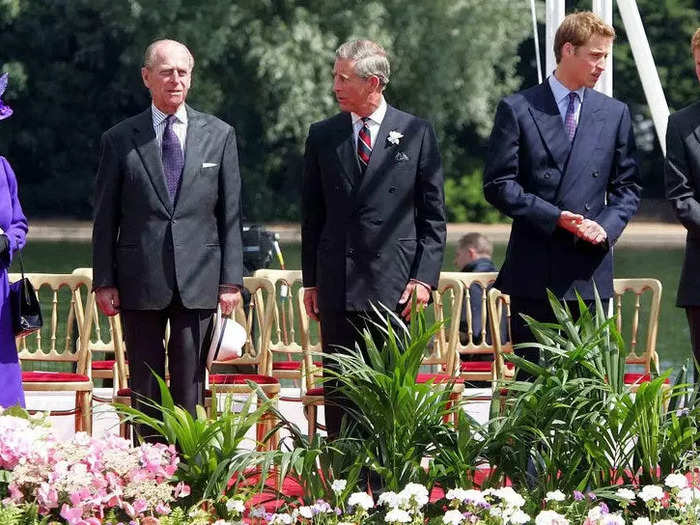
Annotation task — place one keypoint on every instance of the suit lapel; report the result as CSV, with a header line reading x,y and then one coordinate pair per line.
x,y
547,118
144,138
346,150
696,132
590,124
380,150
197,134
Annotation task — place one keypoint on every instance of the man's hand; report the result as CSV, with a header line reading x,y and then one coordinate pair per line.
x,y
107,300
229,300
570,221
422,297
311,303
592,232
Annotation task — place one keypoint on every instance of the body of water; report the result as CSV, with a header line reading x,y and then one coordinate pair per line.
x,y
673,344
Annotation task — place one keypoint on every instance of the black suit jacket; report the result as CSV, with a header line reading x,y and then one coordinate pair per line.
x,y
365,236
533,173
149,247
682,177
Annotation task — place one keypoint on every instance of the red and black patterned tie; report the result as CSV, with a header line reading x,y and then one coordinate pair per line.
x,y
364,145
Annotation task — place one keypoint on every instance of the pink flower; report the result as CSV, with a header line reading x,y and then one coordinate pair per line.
x,y
140,505
15,494
126,507
162,509
73,515
47,496
182,490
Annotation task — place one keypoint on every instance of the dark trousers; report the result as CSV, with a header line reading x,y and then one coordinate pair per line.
x,y
144,333
341,331
693,314
540,310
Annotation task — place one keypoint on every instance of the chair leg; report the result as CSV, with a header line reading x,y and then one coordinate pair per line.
x,y
83,415
311,415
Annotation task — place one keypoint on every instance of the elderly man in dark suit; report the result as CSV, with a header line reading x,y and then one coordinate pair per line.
x,y
373,206
560,163
166,237
682,174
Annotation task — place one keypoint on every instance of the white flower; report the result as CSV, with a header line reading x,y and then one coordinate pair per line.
x,y
338,485
413,494
235,505
397,516
549,517
594,514
676,481
306,512
394,137
666,522
625,494
612,519
509,496
466,496
453,517
555,495
689,495
361,499
641,521
519,517
280,519
389,498
650,492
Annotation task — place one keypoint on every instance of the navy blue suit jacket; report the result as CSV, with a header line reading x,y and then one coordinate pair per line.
x,y
365,236
533,173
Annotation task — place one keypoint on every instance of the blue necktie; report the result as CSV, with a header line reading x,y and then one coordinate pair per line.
x,y
173,158
570,118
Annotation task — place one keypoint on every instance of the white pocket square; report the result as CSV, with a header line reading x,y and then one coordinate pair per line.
x,y
209,164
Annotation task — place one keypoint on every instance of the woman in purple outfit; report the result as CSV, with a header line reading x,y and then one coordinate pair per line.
x,y
13,230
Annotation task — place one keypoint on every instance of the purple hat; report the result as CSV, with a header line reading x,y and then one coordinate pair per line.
x,y
5,110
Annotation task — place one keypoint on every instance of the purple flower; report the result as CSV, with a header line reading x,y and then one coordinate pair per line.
x,y
578,495
592,496
604,508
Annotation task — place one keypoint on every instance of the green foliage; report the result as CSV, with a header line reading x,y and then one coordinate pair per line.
x,y
25,514
209,447
399,420
464,198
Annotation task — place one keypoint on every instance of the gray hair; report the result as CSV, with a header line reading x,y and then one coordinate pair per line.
x,y
149,56
369,57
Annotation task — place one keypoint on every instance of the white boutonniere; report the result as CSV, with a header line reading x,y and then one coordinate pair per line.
x,y
394,137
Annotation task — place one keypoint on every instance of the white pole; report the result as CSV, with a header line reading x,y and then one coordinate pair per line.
x,y
604,9
555,14
537,42
651,83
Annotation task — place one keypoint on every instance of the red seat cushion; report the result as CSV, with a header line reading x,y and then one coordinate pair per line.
x,y
632,378
318,391
123,392
290,365
241,379
103,365
437,378
475,366
53,377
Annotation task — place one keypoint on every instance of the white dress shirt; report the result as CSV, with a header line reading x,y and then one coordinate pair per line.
x,y
561,96
374,122
179,126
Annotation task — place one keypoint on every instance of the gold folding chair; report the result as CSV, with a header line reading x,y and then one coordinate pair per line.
x,y
258,322
59,352
499,310
469,343
637,304
312,396
285,338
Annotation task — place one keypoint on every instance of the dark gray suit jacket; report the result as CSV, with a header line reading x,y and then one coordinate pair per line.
x,y
149,247
365,236
682,177
533,172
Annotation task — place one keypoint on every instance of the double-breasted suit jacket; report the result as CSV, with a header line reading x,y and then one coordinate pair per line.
x,y
364,237
146,245
533,173
682,174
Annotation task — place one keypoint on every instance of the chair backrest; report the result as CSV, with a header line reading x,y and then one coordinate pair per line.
x,y
447,307
66,320
312,347
499,312
473,339
258,322
637,304
285,336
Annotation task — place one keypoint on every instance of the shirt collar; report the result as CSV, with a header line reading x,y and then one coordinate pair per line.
x,y
159,116
560,91
377,116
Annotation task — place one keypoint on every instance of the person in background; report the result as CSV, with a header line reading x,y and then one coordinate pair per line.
x,y
682,179
13,232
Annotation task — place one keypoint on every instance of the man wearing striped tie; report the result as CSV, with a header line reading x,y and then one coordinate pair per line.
x,y
373,207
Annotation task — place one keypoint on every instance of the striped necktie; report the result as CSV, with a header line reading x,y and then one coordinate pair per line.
x,y
364,145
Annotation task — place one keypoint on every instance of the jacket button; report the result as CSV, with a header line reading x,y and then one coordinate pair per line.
x,y
351,252
392,189
587,207
377,255
595,173
547,175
